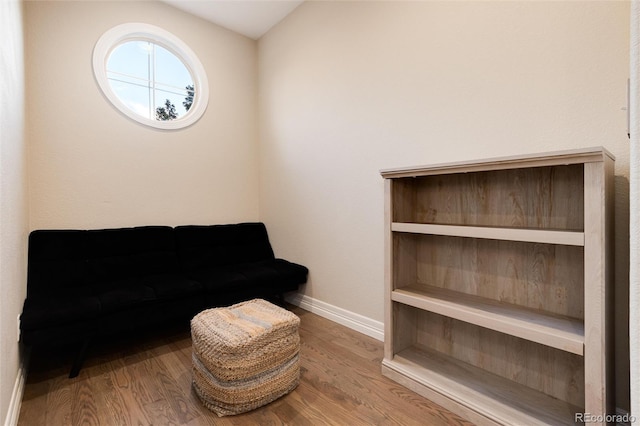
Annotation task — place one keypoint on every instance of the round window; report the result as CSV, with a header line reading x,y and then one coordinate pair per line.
x,y
150,76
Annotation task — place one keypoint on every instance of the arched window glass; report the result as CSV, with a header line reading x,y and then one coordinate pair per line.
x,y
151,76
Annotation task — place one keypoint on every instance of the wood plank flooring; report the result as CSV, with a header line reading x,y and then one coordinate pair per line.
x,y
148,382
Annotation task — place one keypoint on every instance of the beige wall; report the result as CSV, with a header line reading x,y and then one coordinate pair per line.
x,y
344,89
13,202
348,88
92,167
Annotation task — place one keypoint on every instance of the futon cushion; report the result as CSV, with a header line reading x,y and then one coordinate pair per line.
x,y
219,245
290,274
225,285
50,311
264,277
123,294
169,286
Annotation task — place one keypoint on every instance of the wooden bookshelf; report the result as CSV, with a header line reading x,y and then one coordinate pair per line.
x,y
497,282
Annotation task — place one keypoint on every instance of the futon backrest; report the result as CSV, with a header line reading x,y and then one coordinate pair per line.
x,y
57,260
114,254
66,259
204,246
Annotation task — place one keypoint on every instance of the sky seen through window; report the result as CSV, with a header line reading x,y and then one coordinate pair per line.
x,y
143,75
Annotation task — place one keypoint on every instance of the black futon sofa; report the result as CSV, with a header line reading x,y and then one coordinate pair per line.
x,y
88,284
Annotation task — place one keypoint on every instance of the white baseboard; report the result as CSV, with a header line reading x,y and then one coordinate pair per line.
x,y
357,322
16,397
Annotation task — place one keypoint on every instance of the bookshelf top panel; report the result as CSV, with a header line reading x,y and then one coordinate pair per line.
x,y
575,156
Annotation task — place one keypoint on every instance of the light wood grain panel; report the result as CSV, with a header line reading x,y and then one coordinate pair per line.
x,y
609,283
482,396
571,238
389,255
558,332
518,273
404,331
411,375
546,159
538,367
405,266
539,198
403,200
598,282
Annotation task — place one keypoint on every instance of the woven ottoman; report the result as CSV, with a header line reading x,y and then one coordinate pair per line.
x,y
244,356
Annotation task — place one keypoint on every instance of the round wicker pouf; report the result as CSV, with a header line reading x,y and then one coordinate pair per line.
x,y
244,356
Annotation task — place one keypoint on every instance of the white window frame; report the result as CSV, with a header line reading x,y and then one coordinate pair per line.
x,y
136,31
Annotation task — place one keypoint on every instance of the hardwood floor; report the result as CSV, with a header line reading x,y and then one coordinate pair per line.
x,y
148,382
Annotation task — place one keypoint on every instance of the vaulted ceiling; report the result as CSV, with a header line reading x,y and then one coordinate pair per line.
x,y
252,18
